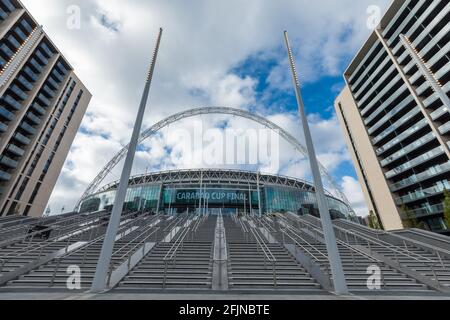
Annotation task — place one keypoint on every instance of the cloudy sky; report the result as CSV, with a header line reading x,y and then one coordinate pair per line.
x,y
213,53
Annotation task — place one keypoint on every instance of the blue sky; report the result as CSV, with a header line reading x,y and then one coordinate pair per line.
x,y
214,53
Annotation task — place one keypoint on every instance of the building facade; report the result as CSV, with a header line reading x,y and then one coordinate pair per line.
x,y
224,191
395,112
42,103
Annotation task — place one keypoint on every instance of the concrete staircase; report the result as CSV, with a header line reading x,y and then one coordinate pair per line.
x,y
249,270
190,268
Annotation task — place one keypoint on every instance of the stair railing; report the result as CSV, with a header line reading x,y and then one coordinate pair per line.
x,y
172,254
267,254
370,242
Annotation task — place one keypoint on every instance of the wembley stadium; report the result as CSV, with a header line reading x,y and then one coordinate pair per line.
x,y
215,191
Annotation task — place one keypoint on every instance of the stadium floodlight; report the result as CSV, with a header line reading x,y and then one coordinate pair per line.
x,y
101,273
339,282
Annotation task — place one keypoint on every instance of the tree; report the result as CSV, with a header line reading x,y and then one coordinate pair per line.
x,y
410,220
447,208
373,221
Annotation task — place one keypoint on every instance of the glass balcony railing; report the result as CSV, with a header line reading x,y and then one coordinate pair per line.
x,y
12,102
30,74
25,126
33,118
375,73
46,50
58,76
22,139
385,104
40,56
415,162
424,193
53,83
38,108
405,134
48,91
6,114
46,101
4,176
428,211
427,174
22,95
396,125
15,150
25,83
440,112
384,91
444,129
409,148
8,162
3,127
36,65
376,86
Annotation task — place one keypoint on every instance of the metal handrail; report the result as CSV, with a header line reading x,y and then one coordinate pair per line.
x,y
43,244
33,234
268,254
48,243
86,247
129,254
173,252
396,250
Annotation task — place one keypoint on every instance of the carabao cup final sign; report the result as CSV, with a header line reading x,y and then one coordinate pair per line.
x,y
221,196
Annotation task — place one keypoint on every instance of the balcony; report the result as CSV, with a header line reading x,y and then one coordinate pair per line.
x,y
397,124
427,174
36,106
3,127
405,134
15,150
440,112
25,83
17,91
6,114
26,25
30,74
444,129
25,126
13,103
53,83
48,91
400,91
46,50
43,99
8,162
428,211
58,76
4,176
424,193
415,162
36,66
21,139
43,60
407,149
6,51
33,118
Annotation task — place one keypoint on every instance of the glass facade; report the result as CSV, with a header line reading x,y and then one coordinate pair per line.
x,y
232,198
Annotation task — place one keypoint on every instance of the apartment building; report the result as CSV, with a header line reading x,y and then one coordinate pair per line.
x,y
395,112
42,103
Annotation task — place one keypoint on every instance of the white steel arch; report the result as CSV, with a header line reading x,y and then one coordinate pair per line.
x,y
202,111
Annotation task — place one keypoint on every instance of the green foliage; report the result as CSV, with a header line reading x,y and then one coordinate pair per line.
x,y
447,208
410,220
373,221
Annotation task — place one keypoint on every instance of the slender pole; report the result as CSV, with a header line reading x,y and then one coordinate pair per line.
x,y
100,279
340,285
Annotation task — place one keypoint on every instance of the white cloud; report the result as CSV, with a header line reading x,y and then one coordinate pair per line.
x,y
203,40
352,190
